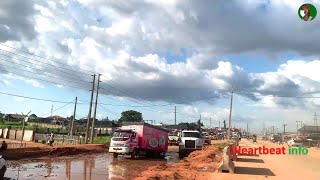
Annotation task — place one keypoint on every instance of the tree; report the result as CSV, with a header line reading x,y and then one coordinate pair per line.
x,y
130,116
199,124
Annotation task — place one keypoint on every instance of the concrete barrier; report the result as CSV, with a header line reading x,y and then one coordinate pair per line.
x,y
226,164
6,133
28,135
233,154
12,134
19,135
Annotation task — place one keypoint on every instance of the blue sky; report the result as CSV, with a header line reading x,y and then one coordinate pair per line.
x,y
159,53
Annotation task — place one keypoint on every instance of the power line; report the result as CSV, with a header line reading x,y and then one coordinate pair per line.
x,y
46,58
63,79
60,107
56,83
40,65
33,98
239,93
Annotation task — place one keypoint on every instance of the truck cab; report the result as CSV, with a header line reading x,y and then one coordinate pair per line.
x,y
124,142
191,140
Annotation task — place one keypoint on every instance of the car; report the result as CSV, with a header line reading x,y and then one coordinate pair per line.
x,y
295,142
206,138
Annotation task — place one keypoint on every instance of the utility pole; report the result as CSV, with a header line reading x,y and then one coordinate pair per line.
x,y
200,122
315,119
23,122
90,109
219,123
175,115
297,127
247,128
95,110
229,129
51,110
73,118
210,123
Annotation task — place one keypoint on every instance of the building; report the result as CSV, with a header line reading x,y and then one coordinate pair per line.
x,y
305,130
105,127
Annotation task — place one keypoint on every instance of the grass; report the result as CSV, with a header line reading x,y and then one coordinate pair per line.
x,y
102,140
223,145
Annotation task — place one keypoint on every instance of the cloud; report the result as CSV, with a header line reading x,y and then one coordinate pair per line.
x,y
126,42
16,20
260,26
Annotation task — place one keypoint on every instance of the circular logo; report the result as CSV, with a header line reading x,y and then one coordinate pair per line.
x,y
307,12
153,142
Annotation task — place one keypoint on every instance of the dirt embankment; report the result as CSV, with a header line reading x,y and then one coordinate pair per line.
x,y
47,151
198,165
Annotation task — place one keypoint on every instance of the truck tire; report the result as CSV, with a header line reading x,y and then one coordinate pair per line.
x,y
115,155
181,154
134,153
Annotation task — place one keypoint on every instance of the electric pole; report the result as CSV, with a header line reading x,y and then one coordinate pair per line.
x,y
297,127
95,110
175,115
51,110
90,109
74,117
219,123
229,129
315,119
200,122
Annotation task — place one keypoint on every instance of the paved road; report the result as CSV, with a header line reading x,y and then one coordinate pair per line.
x,y
287,166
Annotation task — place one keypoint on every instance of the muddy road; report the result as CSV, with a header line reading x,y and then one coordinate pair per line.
x,y
86,167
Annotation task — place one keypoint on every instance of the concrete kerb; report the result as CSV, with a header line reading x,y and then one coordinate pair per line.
x,y
227,164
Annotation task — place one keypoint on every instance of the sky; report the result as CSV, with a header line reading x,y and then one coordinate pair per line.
x,y
154,55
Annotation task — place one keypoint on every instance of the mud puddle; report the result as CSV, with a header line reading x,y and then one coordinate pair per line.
x,y
87,167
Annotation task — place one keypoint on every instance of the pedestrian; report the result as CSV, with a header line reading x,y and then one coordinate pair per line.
x,y
51,139
4,146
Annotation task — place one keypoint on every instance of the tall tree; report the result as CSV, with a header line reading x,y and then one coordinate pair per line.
x,y
199,124
130,116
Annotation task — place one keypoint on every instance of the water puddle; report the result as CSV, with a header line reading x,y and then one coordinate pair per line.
x,y
91,167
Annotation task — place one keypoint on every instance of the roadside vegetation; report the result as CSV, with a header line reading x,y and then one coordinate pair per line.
x,y
102,139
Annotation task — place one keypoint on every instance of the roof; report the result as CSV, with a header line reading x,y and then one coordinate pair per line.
x,y
104,124
145,124
310,128
190,131
16,116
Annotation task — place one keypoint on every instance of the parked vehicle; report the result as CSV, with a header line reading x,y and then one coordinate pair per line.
x,y
295,142
173,138
190,141
206,138
313,136
3,167
139,139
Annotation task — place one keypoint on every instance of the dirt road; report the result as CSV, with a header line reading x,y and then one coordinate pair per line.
x,y
275,166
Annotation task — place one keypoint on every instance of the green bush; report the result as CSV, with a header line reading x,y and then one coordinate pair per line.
x,y
102,140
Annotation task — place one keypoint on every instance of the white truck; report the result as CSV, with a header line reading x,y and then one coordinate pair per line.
x,y
190,141
174,138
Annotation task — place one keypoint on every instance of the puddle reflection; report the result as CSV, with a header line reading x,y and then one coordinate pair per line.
x,y
101,166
